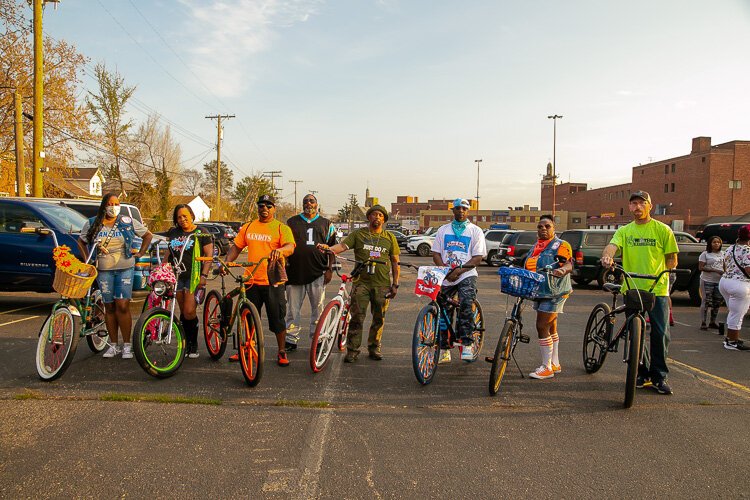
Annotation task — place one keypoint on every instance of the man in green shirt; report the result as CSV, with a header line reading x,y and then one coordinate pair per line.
x,y
648,247
373,284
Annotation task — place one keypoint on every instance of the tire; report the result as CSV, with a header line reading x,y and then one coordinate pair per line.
x,y
423,250
502,356
491,257
99,339
57,344
634,358
595,338
425,347
478,330
608,276
694,290
344,330
214,329
582,281
159,352
250,340
326,335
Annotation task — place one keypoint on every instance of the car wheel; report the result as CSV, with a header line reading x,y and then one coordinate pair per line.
x,y
423,250
491,258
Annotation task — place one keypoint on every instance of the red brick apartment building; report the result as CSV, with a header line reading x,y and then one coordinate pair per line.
x,y
710,181
409,206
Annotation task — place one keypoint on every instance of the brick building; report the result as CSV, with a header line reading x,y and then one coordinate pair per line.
x,y
519,218
709,181
409,206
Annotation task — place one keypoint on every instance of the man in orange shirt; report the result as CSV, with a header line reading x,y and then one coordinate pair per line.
x,y
266,237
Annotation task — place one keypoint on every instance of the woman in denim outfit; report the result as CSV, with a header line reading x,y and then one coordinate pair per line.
x,y
115,236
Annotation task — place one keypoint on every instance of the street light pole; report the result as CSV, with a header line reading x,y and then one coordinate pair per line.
x,y
477,162
554,163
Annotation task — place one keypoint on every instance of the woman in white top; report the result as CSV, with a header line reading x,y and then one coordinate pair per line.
x,y
735,287
711,266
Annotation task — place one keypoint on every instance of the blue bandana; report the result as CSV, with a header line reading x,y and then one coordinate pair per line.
x,y
459,227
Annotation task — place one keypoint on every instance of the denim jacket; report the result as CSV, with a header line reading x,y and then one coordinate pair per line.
x,y
127,229
553,286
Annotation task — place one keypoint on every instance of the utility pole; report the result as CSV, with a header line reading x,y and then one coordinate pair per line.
x,y
20,173
273,174
477,162
219,134
554,163
295,193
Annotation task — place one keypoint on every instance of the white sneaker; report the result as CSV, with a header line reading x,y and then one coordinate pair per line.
x,y
467,353
127,351
113,351
445,357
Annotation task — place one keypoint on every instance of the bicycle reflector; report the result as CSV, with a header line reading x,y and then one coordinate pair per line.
x,y
159,287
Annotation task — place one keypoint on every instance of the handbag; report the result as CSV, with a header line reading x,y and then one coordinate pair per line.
x,y
738,264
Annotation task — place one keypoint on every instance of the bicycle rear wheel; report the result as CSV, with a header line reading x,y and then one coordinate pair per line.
x,y
57,344
595,341
158,349
425,347
502,356
99,337
214,331
250,336
634,358
325,336
478,329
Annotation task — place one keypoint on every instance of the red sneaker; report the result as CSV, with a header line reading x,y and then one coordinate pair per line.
x,y
234,358
282,360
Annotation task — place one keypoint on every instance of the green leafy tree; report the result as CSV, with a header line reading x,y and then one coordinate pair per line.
x,y
209,180
246,193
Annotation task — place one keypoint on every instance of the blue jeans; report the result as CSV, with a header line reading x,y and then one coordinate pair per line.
x,y
116,284
654,362
467,292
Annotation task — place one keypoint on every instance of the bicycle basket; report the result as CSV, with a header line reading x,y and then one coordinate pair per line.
x,y
76,285
519,282
639,300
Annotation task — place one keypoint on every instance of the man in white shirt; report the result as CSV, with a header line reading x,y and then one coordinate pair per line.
x,y
457,245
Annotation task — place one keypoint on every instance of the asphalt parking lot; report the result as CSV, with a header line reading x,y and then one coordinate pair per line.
x,y
369,429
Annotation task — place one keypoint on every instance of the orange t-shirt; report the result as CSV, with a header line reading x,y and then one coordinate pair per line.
x,y
564,250
260,238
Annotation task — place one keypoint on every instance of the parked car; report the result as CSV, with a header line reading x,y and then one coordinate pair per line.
x,y
726,231
420,245
235,225
515,246
223,235
400,237
430,231
493,239
26,258
89,208
587,246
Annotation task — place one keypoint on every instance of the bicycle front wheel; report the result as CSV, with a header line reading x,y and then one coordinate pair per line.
x,y
214,331
502,356
57,344
478,328
159,344
325,336
97,336
634,358
595,341
425,347
250,335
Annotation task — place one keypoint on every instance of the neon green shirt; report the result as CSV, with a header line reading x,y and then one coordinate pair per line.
x,y
643,248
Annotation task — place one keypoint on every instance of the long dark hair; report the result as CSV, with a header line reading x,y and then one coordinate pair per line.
x,y
710,241
177,209
97,225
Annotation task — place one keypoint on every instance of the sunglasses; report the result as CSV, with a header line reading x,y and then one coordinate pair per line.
x,y
267,205
544,226
310,201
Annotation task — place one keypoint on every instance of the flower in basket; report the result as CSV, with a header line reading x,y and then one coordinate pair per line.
x,y
68,262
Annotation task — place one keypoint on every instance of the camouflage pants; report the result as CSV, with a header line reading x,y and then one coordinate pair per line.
x,y
467,292
362,295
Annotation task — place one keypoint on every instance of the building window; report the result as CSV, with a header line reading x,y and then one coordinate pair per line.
x,y
672,167
621,211
672,187
703,159
641,172
735,184
666,188
666,169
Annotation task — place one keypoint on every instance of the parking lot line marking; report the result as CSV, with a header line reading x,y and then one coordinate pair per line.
x,y
24,308
734,385
18,320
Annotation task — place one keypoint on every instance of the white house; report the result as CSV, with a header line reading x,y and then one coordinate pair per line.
x,y
84,183
200,208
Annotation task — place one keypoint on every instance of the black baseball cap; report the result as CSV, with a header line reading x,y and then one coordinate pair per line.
x,y
642,195
266,198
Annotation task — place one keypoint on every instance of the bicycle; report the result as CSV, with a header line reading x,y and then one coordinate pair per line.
x,y
333,323
598,339
219,317
58,340
428,339
159,337
522,284
157,278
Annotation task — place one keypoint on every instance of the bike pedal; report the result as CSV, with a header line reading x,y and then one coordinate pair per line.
x,y
524,338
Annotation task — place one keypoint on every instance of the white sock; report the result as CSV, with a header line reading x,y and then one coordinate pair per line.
x,y
555,349
545,346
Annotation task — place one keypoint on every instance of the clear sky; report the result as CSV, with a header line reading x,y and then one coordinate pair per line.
x,y
405,95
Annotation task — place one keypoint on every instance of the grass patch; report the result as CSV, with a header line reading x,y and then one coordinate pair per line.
x,y
159,398
302,403
27,394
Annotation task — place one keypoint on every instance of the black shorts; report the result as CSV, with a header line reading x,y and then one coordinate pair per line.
x,y
274,297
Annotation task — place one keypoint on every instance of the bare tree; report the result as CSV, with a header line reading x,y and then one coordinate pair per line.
x,y
190,182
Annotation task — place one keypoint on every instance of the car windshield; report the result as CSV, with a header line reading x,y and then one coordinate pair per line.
x,y
64,218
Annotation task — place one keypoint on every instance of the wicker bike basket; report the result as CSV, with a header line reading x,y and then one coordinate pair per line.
x,y
639,300
519,282
74,286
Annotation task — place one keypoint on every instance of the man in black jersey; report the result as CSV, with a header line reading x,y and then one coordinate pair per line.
x,y
308,269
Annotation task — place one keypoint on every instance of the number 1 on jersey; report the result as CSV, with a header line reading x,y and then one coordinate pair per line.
x,y
310,237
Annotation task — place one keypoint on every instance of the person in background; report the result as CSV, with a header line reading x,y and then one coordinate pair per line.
x,y
735,287
118,249
191,274
711,266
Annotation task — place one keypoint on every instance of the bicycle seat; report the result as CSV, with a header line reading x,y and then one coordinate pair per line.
x,y
612,287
